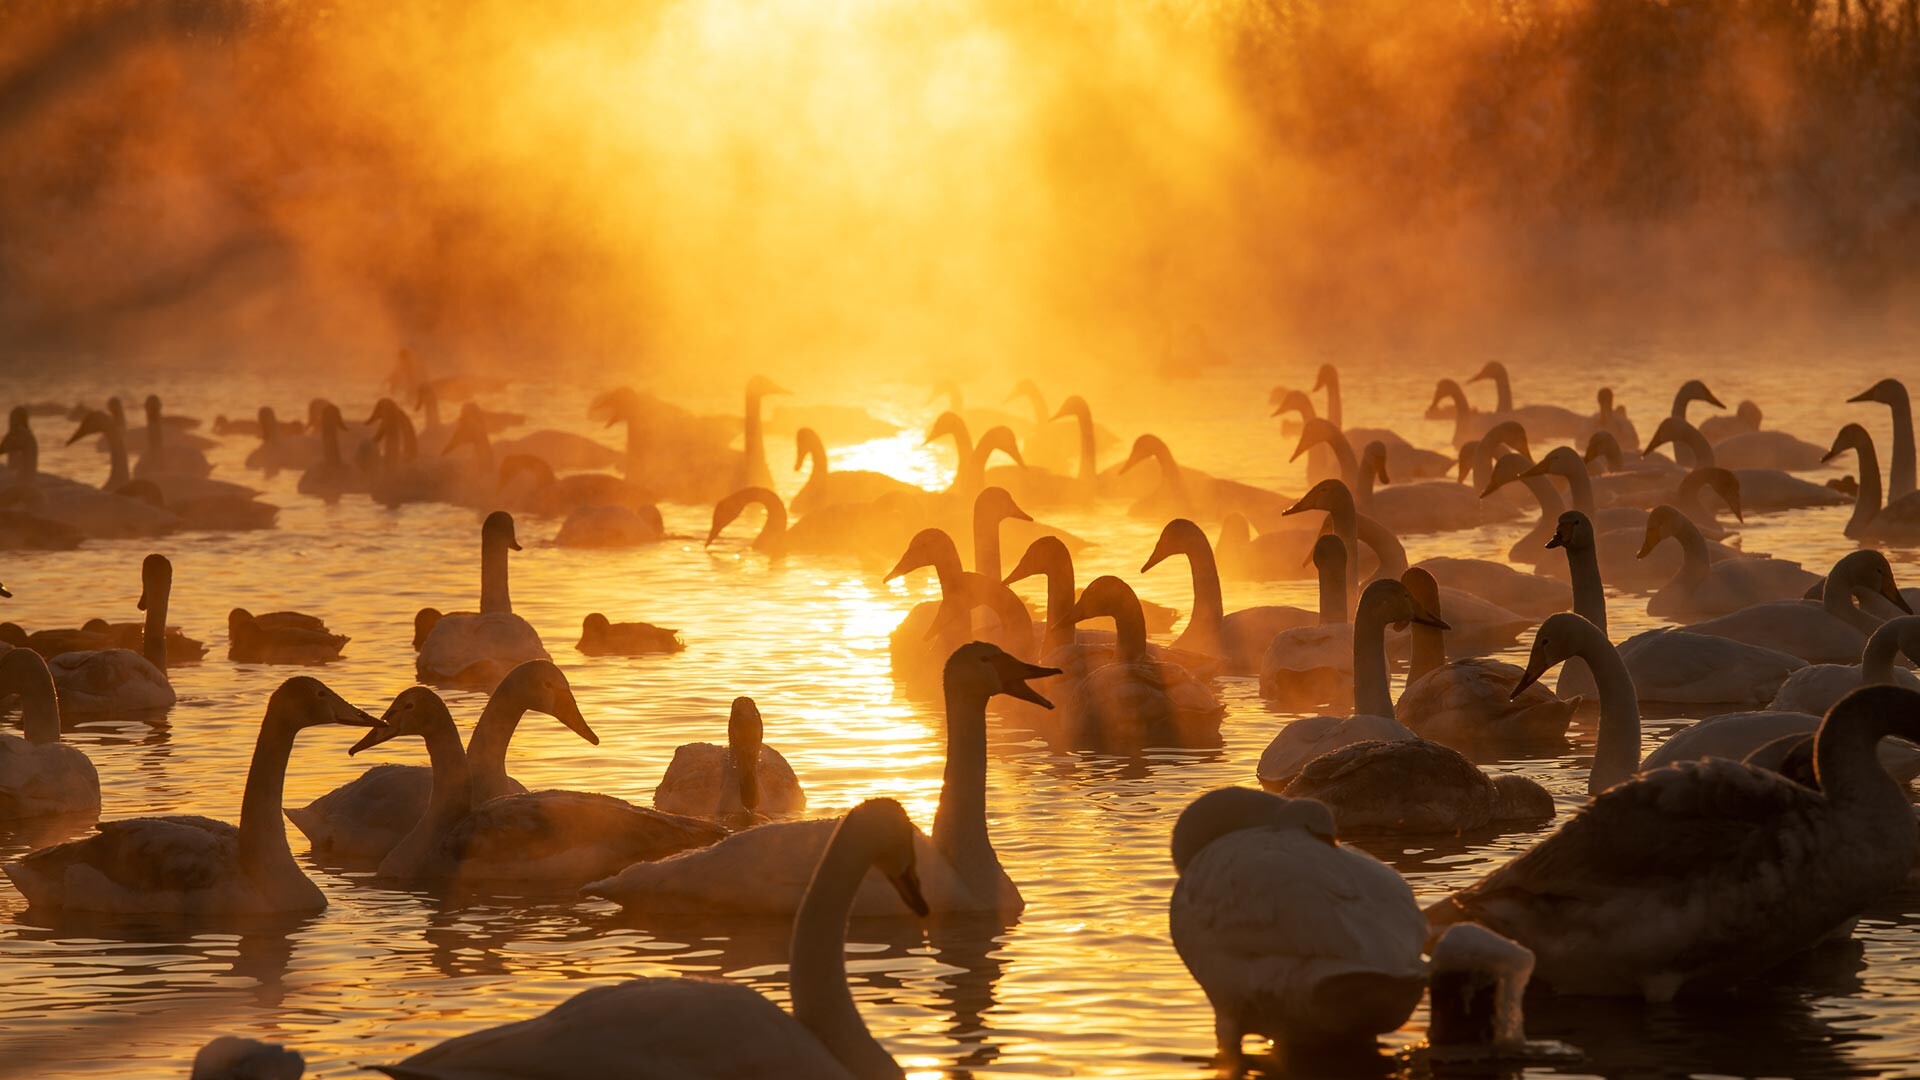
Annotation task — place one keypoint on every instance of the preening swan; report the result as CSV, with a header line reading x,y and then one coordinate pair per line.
x,y
195,865
710,1030
479,650
121,680
1831,630
280,637
1900,467
765,869
1240,638
545,838
1133,701
1291,934
39,774
364,818
1899,519
705,780
1708,873
1707,588
600,637
1472,703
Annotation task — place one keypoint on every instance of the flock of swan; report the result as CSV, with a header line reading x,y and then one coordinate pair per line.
x,y
1741,841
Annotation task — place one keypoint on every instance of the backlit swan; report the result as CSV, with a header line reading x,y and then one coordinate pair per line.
x,y
1240,638
1190,493
865,530
528,482
765,869
1282,555
1291,934
1308,666
195,865
1899,519
1704,588
825,486
1403,458
1424,506
676,455
1497,583
1831,630
332,475
1745,420
478,650
1048,557
166,454
39,774
121,680
1814,688
754,472
1761,449
229,1057
1551,421
705,780
280,637
1056,447
601,637
1566,463
1761,490
283,445
1134,701
1710,872
1416,786
552,838
1303,740
700,1028
921,645
1472,703
363,818
611,527
1900,466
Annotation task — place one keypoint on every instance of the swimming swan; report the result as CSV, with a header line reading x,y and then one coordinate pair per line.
x,y
1899,519
1900,466
705,780
601,637
479,650
1814,688
1472,703
39,774
280,637
1134,700
1707,588
188,865
1240,638
1831,630
121,680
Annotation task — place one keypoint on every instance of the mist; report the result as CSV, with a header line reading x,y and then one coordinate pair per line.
x,y
857,187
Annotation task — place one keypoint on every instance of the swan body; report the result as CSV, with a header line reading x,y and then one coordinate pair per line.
x,y
1475,702
1686,668
705,780
1313,665
1831,630
280,637
39,774
480,649
610,527
1762,490
195,865
1704,588
1899,518
1815,688
825,486
1498,584
116,680
1415,786
600,637
1735,736
1291,934
1709,872
1134,700
765,869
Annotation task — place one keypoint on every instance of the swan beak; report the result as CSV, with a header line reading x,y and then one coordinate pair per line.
x,y
1894,596
1017,687
142,604
1428,618
569,714
1061,413
379,734
907,884
1538,468
1278,409
905,566
1707,396
1556,541
1527,678
1493,485
4,593
1646,549
1300,507
1864,395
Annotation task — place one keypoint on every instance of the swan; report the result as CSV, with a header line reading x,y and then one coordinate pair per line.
x,y
705,780
599,637
1706,588
172,488
1239,639
700,1028
1054,447
115,680
1477,986
1665,664
1048,557
1899,519
753,466
1900,467
1762,490
194,865
765,869
1291,934
1473,703
610,527
1428,506
1745,419
478,650
1416,786
1134,700
865,530
1301,741
1087,473
1644,482
1190,493
1552,421
1566,463
331,476
1617,550
39,774
1499,584
1403,458
1282,555
165,455
1755,448
1709,872
1831,630
671,452
1468,425
1813,689
548,837
1612,419
283,444
280,637
527,481
825,486
363,818
920,645
1313,665
230,1057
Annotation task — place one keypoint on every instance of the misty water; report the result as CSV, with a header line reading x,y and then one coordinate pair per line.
x,y
1084,983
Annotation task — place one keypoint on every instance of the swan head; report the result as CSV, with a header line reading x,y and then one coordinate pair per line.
x,y
985,669
497,531
929,547
1373,458
1850,437
729,508
469,430
1694,390
760,386
1287,401
1508,433
1394,603
1330,495
1444,390
424,621
1605,398
1421,585
1559,639
1517,798
1748,412
1493,369
1506,470
1044,556
239,621
1027,388
230,1057
1603,447
889,838
1327,376
618,405
1315,432
156,579
1724,484
304,701
1076,407
950,391
539,685
745,734
999,438
1561,459
1464,459
1662,522
152,406
1227,810
1104,597
1180,537
1146,448
1868,569
1329,555
417,711
948,425
996,504
1789,755
1885,392
807,442
94,423
1574,531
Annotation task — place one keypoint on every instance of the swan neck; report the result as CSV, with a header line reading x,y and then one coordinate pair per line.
x,y
1589,597
1695,563
39,705
960,823
1388,551
1335,415
153,639
986,542
486,756
1089,468
1333,593
1900,470
1371,694
117,471
1209,609
1544,493
1429,651
1866,502
494,598
818,965
773,534
1849,771
1503,391
263,839
1059,605
1617,755
329,442
1876,660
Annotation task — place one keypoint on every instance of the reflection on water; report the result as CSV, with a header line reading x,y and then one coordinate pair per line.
x,y
1085,983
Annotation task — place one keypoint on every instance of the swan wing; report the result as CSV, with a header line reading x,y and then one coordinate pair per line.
x,y
765,869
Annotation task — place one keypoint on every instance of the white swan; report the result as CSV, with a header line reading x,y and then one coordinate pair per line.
x,y
121,680
765,869
548,838
478,650
1757,448
1900,465
1307,666
39,774
1831,630
1239,638
1899,519
922,645
1133,701
705,780
195,865
699,1028
1762,490
363,818
1552,421
1707,588
826,486
1710,872
866,530
1422,506
1814,688
1403,458
1472,703
1291,934
1498,584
